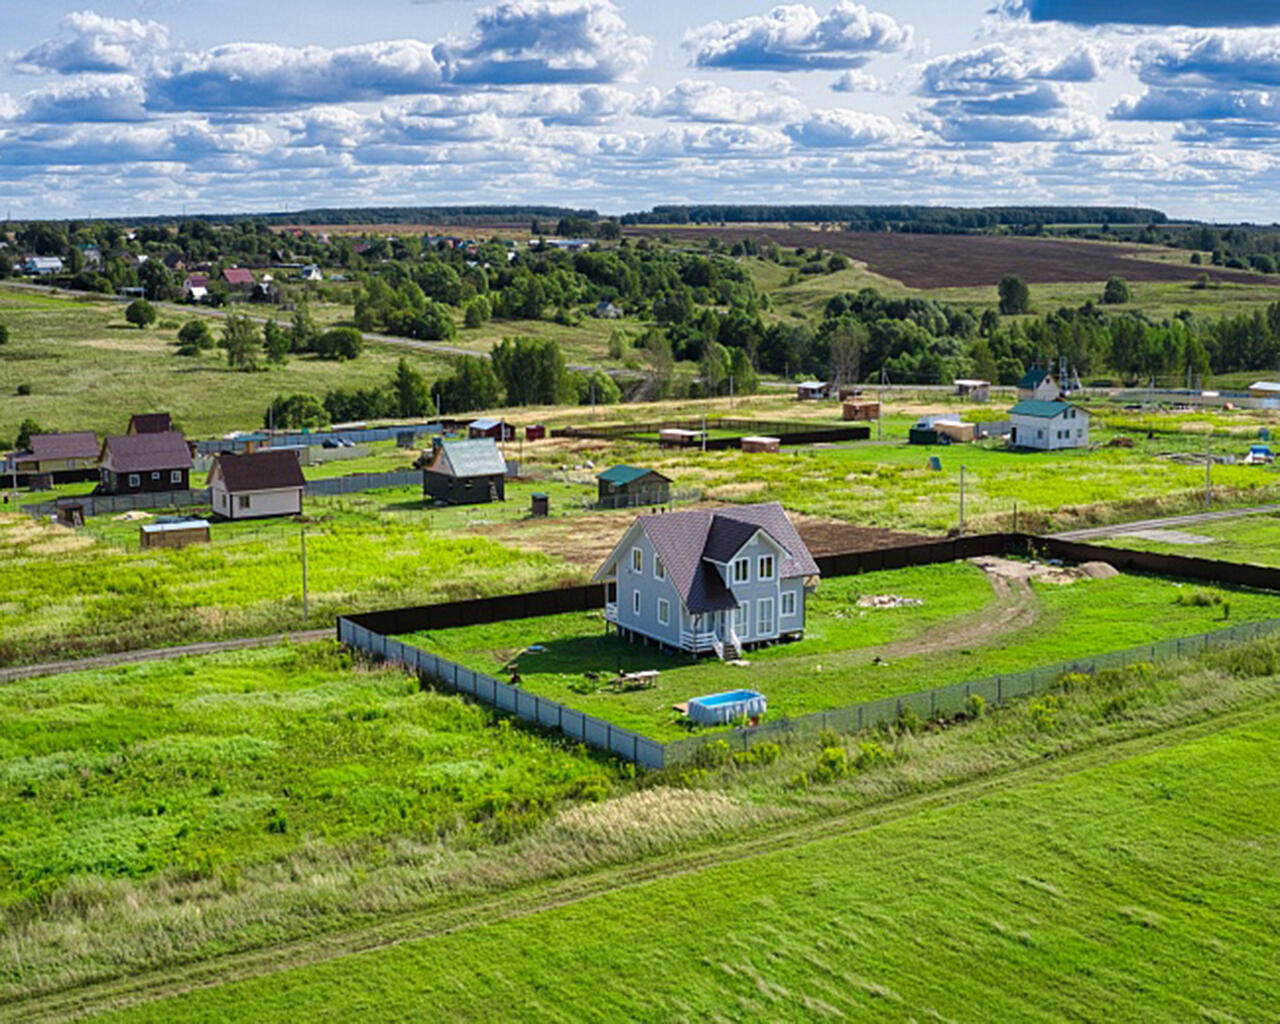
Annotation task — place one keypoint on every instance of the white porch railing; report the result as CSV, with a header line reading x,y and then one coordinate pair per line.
x,y
698,642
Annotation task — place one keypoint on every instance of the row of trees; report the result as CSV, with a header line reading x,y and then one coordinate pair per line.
x,y
248,344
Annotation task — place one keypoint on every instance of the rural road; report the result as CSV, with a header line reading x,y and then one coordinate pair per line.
x,y
1103,532
9,675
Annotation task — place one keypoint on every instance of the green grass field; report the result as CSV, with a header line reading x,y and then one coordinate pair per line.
x,y
89,370
1135,889
953,637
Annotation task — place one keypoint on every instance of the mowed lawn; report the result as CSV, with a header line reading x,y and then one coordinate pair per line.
x,y
953,637
202,766
89,370
1142,889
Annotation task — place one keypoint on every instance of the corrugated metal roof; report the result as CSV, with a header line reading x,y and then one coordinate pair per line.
x,y
1040,409
188,524
485,424
478,457
1033,378
622,475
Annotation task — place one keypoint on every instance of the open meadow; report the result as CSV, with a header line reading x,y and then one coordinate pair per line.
x,y
974,620
1135,887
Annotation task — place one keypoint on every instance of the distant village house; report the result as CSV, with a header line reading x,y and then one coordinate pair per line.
x,y
465,473
255,485
138,463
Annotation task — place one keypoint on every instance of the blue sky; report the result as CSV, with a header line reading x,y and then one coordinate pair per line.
x,y
152,106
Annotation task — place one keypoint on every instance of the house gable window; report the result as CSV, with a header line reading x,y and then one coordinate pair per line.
x,y
637,560
664,611
764,568
659,570
788,604
741,570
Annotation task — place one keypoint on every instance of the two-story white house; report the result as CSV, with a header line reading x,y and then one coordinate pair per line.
x,y
1048,426
709,580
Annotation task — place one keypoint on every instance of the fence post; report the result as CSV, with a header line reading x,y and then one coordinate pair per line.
x,y
999,691
860,707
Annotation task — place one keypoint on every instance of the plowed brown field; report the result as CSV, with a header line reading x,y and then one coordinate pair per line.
x,y
970,261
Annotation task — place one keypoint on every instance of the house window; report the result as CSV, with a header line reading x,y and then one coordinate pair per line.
x,y
742,570
155,475
664,611
788,604
764,616
635,602
637,560
659,570
244,501
1040,434
742,620
764,568
175,476
134,480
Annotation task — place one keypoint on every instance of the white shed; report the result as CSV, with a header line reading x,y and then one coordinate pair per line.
x,y
257,484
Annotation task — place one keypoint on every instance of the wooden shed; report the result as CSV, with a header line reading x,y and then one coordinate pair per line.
x,y
631,486
973,389
535,432
761,444
860,410
466,473
499,430
954,429
178,534
676,437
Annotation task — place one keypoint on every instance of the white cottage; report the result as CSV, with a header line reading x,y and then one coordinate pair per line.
x,y
256,485
1048,426
709,579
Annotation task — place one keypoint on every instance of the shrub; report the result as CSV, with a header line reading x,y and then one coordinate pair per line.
x,y
24,389
339,343
25,429
759,754
1044,713
1248,661
833,763
1015,296
1116,293
1199,599
712,755
4,334
909,720
869,755
140,313
194,337
975,706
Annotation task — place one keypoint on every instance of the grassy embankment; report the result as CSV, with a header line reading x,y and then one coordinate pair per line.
x,y
1114,863
953,637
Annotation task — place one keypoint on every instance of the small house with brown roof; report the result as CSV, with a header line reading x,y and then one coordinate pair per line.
x,y
150,423
470,472
239,277
709,579
137,463
60,453
255,485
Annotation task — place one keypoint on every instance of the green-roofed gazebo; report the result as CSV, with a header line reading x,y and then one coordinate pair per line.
x,y
632,486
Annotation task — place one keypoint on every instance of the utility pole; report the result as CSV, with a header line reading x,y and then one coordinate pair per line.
x,y
731,392
304,575
962,501
1208,464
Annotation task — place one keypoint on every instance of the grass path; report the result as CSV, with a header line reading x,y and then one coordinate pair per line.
x,y
461,915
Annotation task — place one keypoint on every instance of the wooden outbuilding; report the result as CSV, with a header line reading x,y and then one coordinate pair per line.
x,y
677,437
469,472
178,534
632,486
499,430
150,423
974,390
811,390
535,432
762,444
858,411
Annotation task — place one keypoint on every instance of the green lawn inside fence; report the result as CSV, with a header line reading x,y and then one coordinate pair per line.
x,y
1141,888
955,636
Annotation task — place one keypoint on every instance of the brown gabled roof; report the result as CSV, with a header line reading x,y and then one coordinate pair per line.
x,y
259,471
145,453
79,445
688,542
150,423
238,275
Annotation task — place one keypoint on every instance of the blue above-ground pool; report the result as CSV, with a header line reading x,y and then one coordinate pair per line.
x,y
720,708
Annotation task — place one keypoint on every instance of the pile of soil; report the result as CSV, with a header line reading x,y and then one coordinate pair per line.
x,y
888,601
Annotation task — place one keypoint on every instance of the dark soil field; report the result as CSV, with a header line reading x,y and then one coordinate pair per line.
x,y
969,261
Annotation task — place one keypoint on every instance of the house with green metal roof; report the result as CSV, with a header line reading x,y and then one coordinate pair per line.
x,y
631,487
1048,426
465,473
1038,384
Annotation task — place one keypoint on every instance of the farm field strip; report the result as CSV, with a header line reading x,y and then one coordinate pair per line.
x,y
207,990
